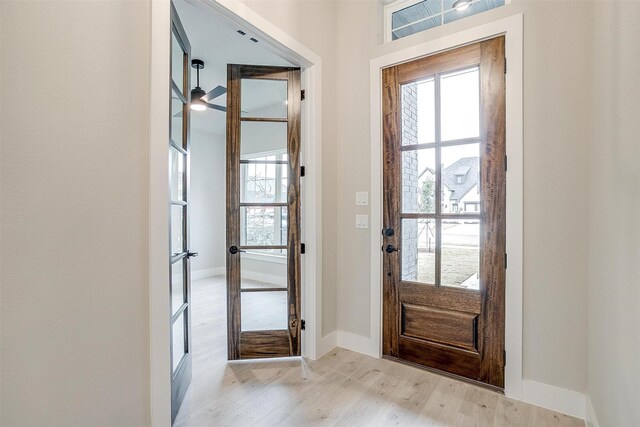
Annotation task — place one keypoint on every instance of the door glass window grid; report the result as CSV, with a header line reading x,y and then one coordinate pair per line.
x,y
441,205
264,179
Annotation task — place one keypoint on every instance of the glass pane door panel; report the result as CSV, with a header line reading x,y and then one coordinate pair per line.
x,y
264,98
263,181
177,230
419,181
419,250
460,104
418,112
420,13
176,118
177,62
176,171
461,179
263,268
263,226
177,285
178,340
460,254
264,310
258,138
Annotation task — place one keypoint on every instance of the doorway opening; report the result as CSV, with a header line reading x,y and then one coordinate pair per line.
x,y
269,220
512,30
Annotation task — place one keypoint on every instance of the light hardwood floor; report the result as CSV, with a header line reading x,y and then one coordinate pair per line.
x,y
342,388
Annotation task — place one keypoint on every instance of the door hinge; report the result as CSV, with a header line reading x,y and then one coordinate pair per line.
x,y
303,171
505,260
505,162
505,65
504,355
303,94
303,324
303,248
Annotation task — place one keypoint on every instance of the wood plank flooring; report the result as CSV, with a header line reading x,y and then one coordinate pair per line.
x,y
342,388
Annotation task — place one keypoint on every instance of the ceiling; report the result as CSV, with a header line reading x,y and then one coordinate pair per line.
x,y
216,41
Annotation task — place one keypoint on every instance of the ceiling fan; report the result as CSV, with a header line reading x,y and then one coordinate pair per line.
x,y
199,98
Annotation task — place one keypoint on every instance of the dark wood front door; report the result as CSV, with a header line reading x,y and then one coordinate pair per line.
x,y
444,211
263,211
179,256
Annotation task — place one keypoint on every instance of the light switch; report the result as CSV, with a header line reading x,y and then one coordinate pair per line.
x,y
362,198
362,221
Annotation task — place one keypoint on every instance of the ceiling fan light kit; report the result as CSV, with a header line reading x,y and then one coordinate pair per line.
x,y
200,98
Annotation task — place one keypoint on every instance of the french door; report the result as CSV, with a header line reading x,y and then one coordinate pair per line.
x,y
180,271
263,211
444,211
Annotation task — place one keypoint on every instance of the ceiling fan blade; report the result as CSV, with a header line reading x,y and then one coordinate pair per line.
x,y
214,93
217,107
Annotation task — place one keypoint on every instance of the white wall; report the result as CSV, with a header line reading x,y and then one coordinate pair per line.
x,y
74,348
208,202
614,211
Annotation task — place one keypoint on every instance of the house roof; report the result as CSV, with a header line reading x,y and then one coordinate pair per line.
x,y
468,167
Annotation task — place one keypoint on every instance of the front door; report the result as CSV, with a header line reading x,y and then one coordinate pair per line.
x,y
444,211
263,212
180,271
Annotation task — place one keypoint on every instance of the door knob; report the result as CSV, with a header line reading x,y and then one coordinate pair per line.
x,y
388,232
390,249
234,250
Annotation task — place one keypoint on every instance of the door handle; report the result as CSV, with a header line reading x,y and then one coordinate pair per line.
x,y
192,254
390,249
234,250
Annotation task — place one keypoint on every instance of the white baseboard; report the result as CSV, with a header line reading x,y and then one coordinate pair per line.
x,y
252,275
554,398
357,343
590,419
326,344
207,272
267,278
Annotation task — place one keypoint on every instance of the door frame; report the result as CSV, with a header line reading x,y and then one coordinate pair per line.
x,y
512,28
291,50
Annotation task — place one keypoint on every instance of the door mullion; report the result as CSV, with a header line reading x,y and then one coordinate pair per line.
x,y
438,197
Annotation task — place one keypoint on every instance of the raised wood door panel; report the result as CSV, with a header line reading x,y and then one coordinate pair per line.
x,y
264,313
444,186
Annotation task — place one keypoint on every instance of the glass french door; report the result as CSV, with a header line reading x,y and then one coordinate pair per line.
x,y
263,211
180,270
444,211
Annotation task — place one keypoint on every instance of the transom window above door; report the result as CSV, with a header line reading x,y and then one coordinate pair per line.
x,y
406,17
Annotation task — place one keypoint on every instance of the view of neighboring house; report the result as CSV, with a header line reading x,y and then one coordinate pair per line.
x,y
461,192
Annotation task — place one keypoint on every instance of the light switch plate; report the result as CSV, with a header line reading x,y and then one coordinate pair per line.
x,y
362,221
362,198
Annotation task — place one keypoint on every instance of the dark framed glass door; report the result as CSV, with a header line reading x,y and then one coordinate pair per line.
x,y
179,256
263,211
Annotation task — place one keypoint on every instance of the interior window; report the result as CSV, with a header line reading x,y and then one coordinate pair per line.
x,y
264,180
406,17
